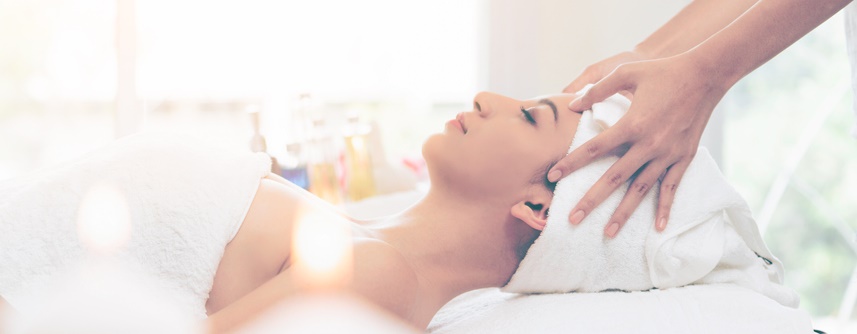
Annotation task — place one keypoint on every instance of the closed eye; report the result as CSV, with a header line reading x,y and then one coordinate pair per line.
x,y
528,116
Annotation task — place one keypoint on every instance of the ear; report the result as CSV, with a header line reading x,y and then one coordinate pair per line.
x,y
533,212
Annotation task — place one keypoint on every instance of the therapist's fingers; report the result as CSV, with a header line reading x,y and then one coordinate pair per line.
x,y
622,170
669,185
597,71
591,74
601,144
646,178
620,79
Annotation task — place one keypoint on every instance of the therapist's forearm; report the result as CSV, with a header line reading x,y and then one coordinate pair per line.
x,y
695,23
758,35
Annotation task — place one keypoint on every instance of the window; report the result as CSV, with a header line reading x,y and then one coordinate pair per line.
x,y
57,81
788,150
199,65
404,65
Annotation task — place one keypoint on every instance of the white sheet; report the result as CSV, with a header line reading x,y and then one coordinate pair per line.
x,y
691,309
185,202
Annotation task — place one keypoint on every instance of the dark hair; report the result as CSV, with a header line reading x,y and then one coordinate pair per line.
x,y
542,176
522,248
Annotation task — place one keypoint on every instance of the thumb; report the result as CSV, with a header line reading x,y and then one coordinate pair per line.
x,y
616,81
587,77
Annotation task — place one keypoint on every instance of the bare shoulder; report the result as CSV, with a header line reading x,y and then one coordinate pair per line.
x,y
260,248
268,224
385,277
276,178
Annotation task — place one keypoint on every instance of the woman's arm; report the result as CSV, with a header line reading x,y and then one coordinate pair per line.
x,y
380,274
253,304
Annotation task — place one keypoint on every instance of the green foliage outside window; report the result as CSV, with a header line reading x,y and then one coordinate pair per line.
x,y
767,113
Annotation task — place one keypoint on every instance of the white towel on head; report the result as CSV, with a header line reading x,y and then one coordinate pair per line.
x,y
711,236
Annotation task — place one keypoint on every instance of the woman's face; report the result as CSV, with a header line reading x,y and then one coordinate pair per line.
x,y
502,145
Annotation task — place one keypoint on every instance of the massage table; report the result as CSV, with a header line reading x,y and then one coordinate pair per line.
x,y
711,309
690,309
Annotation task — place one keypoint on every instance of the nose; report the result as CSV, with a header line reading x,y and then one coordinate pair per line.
x,y
487,103
482,103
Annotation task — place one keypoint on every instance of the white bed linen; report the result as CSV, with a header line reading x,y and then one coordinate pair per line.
x,y
185,201
691,309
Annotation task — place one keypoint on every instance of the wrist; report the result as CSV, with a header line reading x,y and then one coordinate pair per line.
x,y
646,51
713,69
659,47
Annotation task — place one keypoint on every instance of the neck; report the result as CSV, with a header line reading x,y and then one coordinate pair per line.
x,y
455,244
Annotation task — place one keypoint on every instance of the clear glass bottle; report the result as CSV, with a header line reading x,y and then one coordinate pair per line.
x,y
294,163
293,167
323,163
359,178
257,141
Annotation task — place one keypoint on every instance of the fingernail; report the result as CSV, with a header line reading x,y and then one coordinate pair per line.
x,y
554,175
574,104
577,217
611,230
662,223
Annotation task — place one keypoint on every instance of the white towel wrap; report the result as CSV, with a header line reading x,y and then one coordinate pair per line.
x,y
186,203
711,236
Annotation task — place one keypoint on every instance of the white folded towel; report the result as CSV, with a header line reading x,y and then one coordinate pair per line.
x,y
711,236
186,203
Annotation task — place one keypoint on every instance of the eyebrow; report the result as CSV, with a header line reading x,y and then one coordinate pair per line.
x,y
549,103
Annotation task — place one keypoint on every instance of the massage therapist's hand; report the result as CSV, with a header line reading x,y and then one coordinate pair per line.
x,y
595,72
673,100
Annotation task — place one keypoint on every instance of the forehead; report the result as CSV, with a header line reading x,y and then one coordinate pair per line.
x,y
561,100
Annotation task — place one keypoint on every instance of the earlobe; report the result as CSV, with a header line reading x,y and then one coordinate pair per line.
x,y
534,215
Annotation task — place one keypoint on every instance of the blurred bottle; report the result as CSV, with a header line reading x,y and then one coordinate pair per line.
x,y
300,122
360,182
257,141
293,167
323,160
293,163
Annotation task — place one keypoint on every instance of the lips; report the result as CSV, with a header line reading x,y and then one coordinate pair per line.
x,y
460,119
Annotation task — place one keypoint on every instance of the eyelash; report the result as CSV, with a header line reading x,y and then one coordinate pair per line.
x,y
528,116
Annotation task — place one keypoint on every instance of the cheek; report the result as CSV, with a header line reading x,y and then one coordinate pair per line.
x,y
494,163
519,160
503,162
474,164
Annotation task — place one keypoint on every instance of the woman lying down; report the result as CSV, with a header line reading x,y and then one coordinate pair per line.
x,y
219,239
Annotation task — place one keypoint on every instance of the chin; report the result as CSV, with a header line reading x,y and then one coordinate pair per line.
x,y
432,152
432,149
439,161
